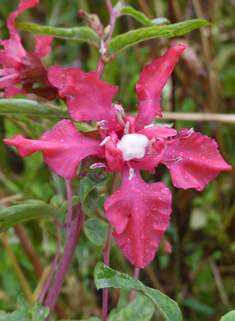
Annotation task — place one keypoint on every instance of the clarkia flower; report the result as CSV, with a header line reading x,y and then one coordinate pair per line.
x,y
139,212
20,67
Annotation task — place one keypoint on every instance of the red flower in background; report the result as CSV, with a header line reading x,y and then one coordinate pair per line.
x,y
20,67
139,212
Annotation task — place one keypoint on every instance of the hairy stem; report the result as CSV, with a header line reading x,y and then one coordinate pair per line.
x,y
106,256
53,265
73,232
102,62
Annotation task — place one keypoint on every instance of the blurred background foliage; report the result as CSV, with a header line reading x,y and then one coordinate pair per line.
x,y
200,272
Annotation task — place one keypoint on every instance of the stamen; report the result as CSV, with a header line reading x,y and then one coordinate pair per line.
x,y
98,165
148,126
189,133
120,109
151,146
101,123
175,160
105,140
131,173
127,126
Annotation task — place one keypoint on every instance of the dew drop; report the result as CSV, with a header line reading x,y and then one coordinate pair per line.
x,y
185,176
134,189
153,207
173,151
191,158
181,154
148,214
128,241
147,250
165,191
142,236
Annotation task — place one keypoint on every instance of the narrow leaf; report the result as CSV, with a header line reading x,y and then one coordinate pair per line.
x,y
80,34
138,15
96,230
29,107
133,37
17,214
106,277
229,316
141,309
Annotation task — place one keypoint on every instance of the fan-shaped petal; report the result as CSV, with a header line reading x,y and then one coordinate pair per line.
x,y
88,98
193,160
63,148
152,80
140,214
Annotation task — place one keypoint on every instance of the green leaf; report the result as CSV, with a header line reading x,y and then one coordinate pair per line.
x,y
88,195
80,34
140,309
96,230
64,206
131,38
90,319
26,312
34,209
138,15
29,107
229,316
106,277
141,17
39,313
23,303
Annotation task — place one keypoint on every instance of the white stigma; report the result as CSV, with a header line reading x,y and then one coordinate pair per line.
x,y
133,146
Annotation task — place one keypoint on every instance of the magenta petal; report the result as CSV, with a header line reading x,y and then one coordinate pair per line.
x,y
88,98
193,160
158,132
63,148
152,80
43,45
14,45
9,60
140,214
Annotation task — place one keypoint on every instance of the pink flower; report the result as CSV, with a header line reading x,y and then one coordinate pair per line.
x,y
20,67
139,212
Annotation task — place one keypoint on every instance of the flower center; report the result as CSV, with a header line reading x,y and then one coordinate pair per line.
x,y
133,146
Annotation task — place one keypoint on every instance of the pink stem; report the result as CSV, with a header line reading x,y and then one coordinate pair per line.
x,y
73,233
136,275
69,198
101,63
53,265
106,256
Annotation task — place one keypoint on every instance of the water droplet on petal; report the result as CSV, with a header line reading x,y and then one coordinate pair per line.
x,y
142,236
134,189
153,207
147,250
128,241
165,191
181,154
